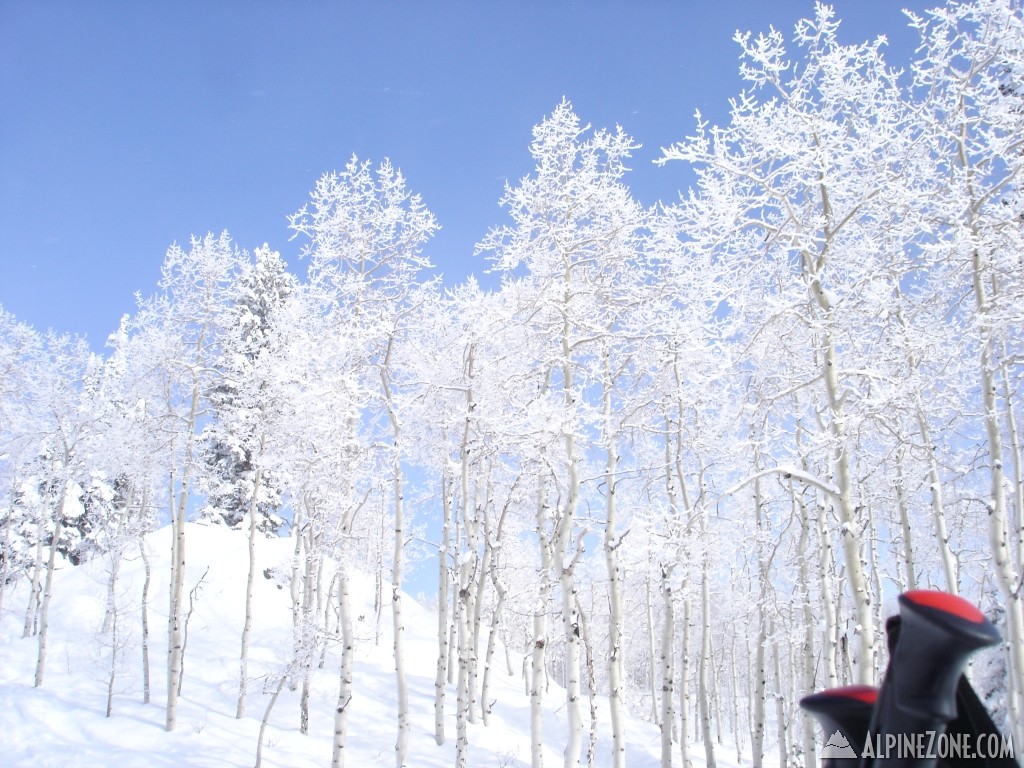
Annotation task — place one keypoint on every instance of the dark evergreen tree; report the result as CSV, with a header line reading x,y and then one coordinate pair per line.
x,y
234,441
35,507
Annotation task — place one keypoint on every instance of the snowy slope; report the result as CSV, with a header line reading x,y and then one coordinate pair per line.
x,y
63,723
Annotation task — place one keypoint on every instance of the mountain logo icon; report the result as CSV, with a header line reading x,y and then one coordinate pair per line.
x,y
838,748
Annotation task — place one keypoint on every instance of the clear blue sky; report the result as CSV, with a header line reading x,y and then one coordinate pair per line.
x,y
126,125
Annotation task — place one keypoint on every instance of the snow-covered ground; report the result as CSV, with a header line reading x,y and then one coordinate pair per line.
x,y
63,723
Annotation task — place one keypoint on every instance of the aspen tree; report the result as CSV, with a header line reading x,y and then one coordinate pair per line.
x,y
538,674
684,686
68,416
780,704
468,566
807,649
967,77
130,446
144,610
612,542
238,483
575,225
915,360
179,327
21,350
591,673
819,164
443,579
63,490
704,661
1017,454
760,671
341,709
494,538
366,234
667,716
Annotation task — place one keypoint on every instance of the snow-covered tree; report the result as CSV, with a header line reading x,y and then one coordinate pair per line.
x,y
808,195
366,235
62,405
571,258
967,80
19,346
180,326
241,402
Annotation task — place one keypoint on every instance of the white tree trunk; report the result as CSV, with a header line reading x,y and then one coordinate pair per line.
x,y
934,476
828,606
901,505
571,628
478,578
758,693
1015,450
344,531
310,618
866,660
51,566
998,519
734,678
538,675
266,720
476,705
492,556
668,671
874,569
859,588
616,676
243,666
345,678
716,697
653,673
110,609
295,582
949,568
398,625
463,696
999,541
468,568
116,551
36,588
588,655
780,707
110,616
566,561
453,629
397,562
175,617
703,689
684,687
145,621
442,609
807,652
492,641
115,641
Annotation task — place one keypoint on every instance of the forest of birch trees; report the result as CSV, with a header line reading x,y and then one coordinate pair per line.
x,y
682,457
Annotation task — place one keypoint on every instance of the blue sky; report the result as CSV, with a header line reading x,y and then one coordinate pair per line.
x,y
126,125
